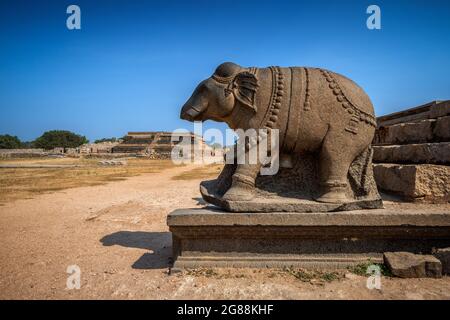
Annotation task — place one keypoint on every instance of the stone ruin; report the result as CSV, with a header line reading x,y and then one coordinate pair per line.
x,y
157,144
412,153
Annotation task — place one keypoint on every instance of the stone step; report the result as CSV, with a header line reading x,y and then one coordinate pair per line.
x,y
431,110
425,182
436,153
128,149
429,130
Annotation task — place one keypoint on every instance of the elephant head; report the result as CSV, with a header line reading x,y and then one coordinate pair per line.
x,y
216,97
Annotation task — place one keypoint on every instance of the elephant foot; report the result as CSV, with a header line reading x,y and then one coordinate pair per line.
x,y
238,194
240,190
335,193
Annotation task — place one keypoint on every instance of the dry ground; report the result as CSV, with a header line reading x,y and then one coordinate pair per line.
x,y
20,183
116,232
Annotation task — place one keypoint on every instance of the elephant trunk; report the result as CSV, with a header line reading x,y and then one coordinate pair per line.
x,y
192,112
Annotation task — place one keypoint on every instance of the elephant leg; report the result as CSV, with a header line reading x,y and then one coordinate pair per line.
x,y
243,183
334,165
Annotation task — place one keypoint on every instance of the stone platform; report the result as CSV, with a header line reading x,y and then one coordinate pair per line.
x,y
209,237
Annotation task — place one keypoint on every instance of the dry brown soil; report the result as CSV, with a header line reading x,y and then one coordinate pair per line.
x,y
116,233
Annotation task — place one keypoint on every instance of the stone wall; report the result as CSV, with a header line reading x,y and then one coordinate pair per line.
x,y
412,152
16,153
102,147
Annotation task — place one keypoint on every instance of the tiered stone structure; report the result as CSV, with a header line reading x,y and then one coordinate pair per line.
x,y
412,152
157,144
135,142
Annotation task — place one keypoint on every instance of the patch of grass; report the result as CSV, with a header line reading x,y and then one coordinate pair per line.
x,y
331,276
206,272
314,276
204,172
221,274
361,269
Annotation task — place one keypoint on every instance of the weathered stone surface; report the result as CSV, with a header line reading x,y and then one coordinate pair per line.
x,y
409,265
441,129
300,104
415,182
409,115
211,238
412,139
431,110
429,130
403,133
211,216
438,153
440,109
443,254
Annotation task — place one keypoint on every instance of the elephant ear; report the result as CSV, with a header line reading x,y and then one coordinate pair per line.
x,y
245,85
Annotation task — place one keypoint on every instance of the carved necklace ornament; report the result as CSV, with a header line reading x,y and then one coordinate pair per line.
x,y
307,104
270,120
356,113
276,98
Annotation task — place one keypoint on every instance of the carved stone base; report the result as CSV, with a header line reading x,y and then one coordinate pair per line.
x,y
262,203
295,189
213,238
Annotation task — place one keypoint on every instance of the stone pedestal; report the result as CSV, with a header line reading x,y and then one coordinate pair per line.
x,y
209,237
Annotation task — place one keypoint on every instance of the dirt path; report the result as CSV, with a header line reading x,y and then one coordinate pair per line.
x,y
117,234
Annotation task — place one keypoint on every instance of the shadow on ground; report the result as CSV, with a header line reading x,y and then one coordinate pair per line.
x,y
158,243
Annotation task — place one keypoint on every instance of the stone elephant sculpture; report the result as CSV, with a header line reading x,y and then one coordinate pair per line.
x,y
315,110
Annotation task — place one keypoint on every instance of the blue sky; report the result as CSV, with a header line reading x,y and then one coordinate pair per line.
x,y
134,63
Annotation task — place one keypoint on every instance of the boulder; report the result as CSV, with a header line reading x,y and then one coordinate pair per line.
x,y
409,265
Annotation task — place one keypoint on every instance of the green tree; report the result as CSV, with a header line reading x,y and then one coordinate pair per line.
x,y
27,145
59,139
9,142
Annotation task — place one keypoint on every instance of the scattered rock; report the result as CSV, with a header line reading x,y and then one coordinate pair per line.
x,y
444,256
112,162
409,265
